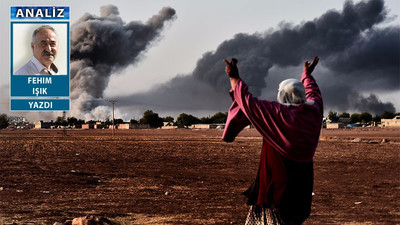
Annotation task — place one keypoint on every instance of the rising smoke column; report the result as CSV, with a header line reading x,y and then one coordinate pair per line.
x,y
338,38
102,45
356,56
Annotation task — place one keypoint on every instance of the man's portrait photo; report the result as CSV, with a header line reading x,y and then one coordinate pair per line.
x,y
39,49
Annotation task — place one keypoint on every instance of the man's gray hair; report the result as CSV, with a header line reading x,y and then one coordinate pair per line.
x,y
42,28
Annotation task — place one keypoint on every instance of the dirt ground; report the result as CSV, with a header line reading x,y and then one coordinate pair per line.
x,y
186,176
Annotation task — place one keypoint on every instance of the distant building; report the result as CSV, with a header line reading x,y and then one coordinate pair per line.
x,y
88,126
18,122
16,119
202,126
395,122
208,126
124,126
113,127
99,125
43,125
334,125
77,126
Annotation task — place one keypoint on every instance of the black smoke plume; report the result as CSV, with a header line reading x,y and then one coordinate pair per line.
x,y
358,57
102,45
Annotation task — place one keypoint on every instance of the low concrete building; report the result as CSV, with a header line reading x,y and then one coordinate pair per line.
x,y
88,126
334,125
208,126
43,125
113,126
124,126
99,125
201,126
77,126
395,122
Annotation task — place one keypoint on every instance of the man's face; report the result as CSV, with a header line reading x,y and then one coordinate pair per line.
x,y
45,46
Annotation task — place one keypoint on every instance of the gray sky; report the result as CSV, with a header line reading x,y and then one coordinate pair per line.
x,y
200,27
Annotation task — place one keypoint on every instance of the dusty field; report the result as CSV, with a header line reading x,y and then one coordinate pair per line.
x,y
185,176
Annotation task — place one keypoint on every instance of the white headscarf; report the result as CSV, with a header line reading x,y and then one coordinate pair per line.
x,y
291,92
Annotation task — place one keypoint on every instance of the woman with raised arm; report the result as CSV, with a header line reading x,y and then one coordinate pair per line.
x,y
290,127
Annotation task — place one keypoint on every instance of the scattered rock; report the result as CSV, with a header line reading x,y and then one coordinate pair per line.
x,y
87,220
1,188
384,140
166,193
357,203
356,140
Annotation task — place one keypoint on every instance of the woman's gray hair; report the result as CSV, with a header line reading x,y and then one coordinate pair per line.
x,y
291,92
42,28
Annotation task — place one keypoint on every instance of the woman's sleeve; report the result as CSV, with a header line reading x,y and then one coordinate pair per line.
x,y
247,109
235,123
312,90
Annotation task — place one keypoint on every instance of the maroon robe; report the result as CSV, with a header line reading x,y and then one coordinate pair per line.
x,y
290,136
